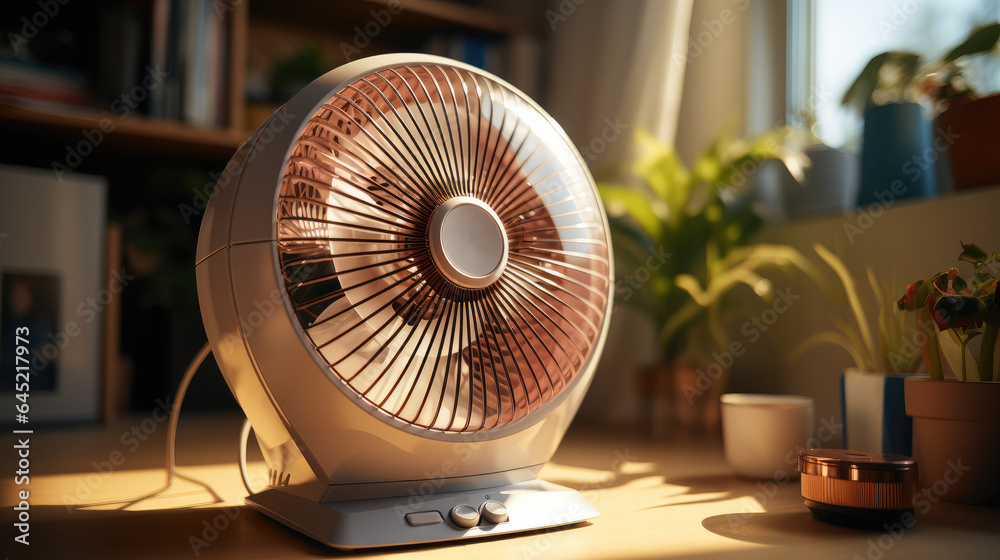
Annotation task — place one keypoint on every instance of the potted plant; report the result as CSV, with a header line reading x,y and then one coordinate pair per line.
x,y
871,392
897,135
830,186
681,239
956,427
968,121
896,130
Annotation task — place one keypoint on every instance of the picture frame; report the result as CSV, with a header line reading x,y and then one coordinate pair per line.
x,y
52,278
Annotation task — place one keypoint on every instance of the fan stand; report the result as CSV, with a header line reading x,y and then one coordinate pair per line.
x,y
441,516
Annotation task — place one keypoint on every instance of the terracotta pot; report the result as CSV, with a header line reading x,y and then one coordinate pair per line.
x,y
969,133
956,438
682,401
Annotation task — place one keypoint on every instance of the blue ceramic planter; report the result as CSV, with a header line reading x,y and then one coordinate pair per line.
x,y
897,156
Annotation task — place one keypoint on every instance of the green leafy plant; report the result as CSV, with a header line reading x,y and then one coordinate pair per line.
x,y
947,303
895,77
682,239
292,72
883,352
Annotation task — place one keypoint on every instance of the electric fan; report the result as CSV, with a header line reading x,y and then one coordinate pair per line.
x,y
405,277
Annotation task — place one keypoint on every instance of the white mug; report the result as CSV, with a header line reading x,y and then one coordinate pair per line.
x,y
762,434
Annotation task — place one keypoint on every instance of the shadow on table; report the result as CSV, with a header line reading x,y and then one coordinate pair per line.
x,y
61,532
762,527
787,527
775,529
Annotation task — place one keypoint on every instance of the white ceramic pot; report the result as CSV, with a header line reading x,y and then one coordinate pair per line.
x,y
830,187
762,434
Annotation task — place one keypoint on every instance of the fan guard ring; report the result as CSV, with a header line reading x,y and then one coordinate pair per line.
x,y
429,334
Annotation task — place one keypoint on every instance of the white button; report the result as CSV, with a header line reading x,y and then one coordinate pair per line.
x,y
465,516
424,518
494,512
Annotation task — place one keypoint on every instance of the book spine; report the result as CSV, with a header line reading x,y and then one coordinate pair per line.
x,y
159,43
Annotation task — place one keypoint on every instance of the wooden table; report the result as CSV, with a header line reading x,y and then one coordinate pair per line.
x,y
657,500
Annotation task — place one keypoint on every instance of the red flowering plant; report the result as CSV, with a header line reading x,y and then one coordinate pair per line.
x,y
962,310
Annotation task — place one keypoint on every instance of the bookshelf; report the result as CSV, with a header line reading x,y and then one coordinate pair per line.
x,y
409,17
136,133
261,26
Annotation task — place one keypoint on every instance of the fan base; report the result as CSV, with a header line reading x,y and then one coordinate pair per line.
x,y
531,505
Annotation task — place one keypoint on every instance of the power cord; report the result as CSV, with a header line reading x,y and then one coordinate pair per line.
x,y
244,437
175,413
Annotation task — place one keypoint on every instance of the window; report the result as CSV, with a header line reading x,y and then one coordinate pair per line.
x,y
830,41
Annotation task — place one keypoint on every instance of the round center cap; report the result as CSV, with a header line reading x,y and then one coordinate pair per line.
x,y
468,242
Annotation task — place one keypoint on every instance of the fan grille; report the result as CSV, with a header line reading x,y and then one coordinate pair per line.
x,y
354,210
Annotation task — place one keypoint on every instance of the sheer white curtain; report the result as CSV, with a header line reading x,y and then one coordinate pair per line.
x,y
616,67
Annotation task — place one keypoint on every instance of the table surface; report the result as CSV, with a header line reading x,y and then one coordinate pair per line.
x,y
657,500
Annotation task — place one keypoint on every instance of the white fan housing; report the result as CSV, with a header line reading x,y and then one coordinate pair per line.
x,y
405,277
